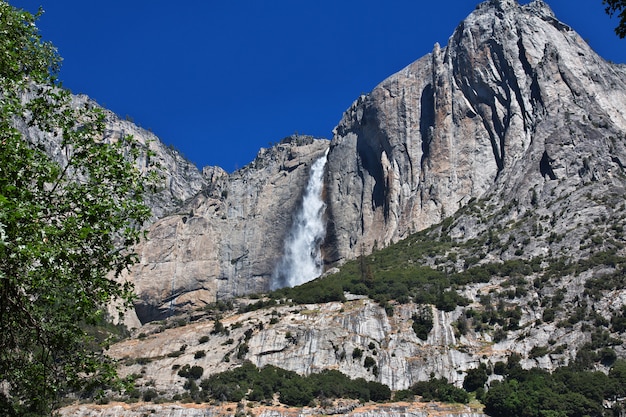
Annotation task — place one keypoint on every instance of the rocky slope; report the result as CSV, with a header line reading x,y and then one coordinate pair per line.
x,y
180,179
224,410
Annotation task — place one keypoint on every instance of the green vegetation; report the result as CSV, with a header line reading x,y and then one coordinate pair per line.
x,y
254,384
566,392
422,323
439,390
617,7
191,372
66,228
400,273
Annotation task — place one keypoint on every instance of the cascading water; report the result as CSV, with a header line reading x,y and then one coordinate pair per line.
x,y
302,259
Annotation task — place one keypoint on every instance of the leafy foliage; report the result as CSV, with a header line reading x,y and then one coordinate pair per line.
x,y
248,381
619,7
439,389
423,323
566,392
65,226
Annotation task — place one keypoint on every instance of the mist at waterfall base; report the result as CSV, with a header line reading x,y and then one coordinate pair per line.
x,y
302,259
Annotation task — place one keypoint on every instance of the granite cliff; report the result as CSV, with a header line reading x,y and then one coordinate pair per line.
x,y
516,108
516,105
227,239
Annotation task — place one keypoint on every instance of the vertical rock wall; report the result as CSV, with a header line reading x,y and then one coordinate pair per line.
x,y
513,86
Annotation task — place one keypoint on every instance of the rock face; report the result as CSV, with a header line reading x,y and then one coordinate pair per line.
x,y
308,339
227,240
508,107
516,111
181,179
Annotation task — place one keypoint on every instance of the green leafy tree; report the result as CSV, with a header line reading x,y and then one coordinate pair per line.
x,y
66,226
617,7
475,378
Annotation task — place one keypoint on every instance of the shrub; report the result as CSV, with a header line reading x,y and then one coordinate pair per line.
x,y
440,390
369,362
423,322
191,372
242,350
475,378
149,395
403,395
195,372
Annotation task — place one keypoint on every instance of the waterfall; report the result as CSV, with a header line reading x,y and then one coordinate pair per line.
x,y
302,259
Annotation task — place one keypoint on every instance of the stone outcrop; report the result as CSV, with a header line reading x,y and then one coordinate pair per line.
x,y
308,339
516,103
361,339
181,179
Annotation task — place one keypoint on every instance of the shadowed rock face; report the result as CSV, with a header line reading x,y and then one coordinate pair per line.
x,y
511,104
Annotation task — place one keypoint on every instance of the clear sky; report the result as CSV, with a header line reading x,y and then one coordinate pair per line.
x,y
221,79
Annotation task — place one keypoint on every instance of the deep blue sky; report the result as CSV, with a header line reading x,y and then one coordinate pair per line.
x,y
220,79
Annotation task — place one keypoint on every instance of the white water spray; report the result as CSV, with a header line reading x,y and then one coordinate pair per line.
x,y
302,259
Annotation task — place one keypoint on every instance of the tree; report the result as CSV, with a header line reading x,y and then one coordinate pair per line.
x,y
619,7
66,226
476,378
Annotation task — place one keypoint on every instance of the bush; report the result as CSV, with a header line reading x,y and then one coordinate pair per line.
x,y
403,395
423,322
149,395
440,390
242,350
258,385
193,372
369,362
475,378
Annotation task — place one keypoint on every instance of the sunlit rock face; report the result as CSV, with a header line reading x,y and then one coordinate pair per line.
x,y
510,105
228,239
